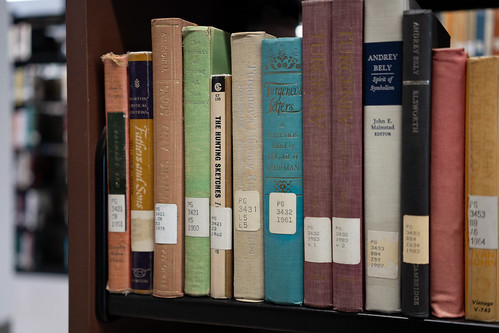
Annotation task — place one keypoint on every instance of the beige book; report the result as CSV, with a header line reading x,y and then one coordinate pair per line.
x,y
247,165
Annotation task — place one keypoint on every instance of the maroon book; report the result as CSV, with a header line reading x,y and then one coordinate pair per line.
x,y
317,100
347,148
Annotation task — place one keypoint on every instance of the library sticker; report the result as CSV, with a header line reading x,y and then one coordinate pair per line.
x,y
482,222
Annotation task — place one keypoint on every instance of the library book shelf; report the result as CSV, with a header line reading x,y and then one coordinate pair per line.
x,y
95,27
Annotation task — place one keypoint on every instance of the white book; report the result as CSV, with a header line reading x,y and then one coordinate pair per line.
x,y
383,151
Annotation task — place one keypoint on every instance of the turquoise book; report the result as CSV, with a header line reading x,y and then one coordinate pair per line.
x,y
283,169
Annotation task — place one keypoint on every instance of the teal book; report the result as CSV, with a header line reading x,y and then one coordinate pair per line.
x,y
206,52
283,169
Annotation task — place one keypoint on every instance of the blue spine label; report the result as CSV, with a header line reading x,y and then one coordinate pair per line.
x,y
383,73
140,89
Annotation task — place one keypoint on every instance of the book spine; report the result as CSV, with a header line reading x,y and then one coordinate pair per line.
x,y
317,181
416,105
382,152
421,33
118,173
141,170
247,165
221,187
169,193
447,182
347,222
481,189
206,52
283,169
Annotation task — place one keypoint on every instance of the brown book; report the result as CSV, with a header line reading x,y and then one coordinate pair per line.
x,y
118,173
221,187
447,182
317,134
168,156
481,189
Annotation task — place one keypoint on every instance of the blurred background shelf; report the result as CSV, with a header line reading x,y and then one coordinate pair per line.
x,y
39,140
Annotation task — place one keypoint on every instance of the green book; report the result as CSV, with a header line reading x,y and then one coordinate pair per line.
x,y
206,52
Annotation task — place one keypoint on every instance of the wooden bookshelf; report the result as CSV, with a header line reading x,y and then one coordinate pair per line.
x,y
95,27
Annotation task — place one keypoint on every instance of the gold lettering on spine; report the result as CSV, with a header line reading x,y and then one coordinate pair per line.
x,y
164,91
317,104
344,103
345,77
252,133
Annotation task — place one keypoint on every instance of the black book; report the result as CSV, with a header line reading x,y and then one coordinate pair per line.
x,y
421,33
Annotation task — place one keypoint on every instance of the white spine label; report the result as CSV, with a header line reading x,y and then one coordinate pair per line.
x,y
282,213
382,253
482,222
166,223
197,217
221,228
317,239
247,210
142,230
346,241
116,213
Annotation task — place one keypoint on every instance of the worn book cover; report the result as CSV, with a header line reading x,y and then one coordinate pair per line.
x,y
206,52
169,195
481,189
141,170
448,107
118,173
317,134
421,33
282,93
247,165
347,168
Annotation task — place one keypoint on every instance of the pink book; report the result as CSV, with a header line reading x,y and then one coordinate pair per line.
x,y
447,182
347,223
318,278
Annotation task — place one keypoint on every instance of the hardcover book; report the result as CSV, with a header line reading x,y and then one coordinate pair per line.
x,y
118,173
382,151
169,195
206,52
481,189
282,169
247,165
448,107
347,171
141,170
317,179
421,33
221,186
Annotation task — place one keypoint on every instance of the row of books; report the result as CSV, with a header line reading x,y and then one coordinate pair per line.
x,y
475,30
297,170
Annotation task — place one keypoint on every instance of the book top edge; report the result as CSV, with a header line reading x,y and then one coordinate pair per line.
x,y
170,20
